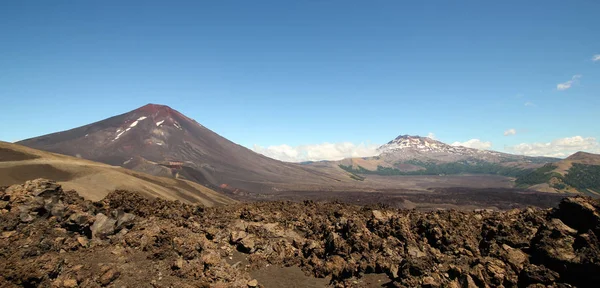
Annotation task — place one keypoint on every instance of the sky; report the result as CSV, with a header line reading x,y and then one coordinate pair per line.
x,y
312,80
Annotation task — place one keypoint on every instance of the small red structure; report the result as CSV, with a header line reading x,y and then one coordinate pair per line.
x,y
173,164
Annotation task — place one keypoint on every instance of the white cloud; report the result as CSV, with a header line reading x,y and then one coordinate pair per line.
x,y
431,136
474,143
317,152
561,147
510,132
564,86
568,84
529,104
596,57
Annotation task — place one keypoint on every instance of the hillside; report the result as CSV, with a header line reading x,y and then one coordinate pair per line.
x,y
415,155
578,173
158,140
95,180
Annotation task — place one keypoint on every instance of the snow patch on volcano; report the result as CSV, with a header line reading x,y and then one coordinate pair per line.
x,y
136,121
119,135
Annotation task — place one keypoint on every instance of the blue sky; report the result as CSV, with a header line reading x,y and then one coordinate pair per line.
x,y
298,73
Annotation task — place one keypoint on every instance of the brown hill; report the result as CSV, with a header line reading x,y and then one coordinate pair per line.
x,y
585,158
564,165
161,141
558,178
95,180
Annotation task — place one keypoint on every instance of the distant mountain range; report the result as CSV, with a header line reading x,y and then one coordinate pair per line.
x,y
415,155
161,141
406,147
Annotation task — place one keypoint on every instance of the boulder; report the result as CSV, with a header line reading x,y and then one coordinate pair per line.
x,y
26,217
56,208
210,258
253,283
103,226
247,245
534,274
83,241
430,282
236,236
515,257
378,215
80,219
177,264
579,213
335,265
42,187
124,220
467,281
109,276
415,252
69,283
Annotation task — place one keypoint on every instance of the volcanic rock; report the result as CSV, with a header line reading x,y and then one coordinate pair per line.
x,y
176,245
109,276
253,283
103,226
124,220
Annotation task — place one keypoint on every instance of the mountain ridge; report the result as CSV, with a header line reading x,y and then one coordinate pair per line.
x,y
161,141
417,155
427,144
578,173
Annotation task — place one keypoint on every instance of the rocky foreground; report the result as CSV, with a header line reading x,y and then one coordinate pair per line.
x,y
53,238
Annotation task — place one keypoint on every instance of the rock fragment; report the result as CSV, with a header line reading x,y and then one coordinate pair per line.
x,y
103,226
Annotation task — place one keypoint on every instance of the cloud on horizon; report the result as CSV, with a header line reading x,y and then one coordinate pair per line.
x,y
566,85
317,152
596,57
510,132
560,147
474,143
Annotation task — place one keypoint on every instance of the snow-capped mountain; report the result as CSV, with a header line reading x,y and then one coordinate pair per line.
x,y
412,142
413,153
410,147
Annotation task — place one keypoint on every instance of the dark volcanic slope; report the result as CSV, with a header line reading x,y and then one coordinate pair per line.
x,y
59,240
159,140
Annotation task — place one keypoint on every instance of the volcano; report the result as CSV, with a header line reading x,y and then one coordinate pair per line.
x,y
417,155
158,140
